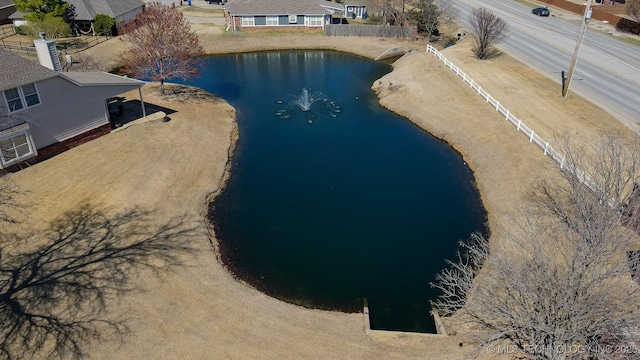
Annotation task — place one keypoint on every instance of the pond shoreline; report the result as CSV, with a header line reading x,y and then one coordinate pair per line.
x,y
199,310
363,131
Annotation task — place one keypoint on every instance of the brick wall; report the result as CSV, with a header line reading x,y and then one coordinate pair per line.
x,y
614,14
567,5
58,148
612,8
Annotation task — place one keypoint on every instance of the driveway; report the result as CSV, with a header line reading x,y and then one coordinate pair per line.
x,y
203,17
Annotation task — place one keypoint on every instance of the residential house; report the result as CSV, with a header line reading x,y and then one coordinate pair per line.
x,y
121,11
17,18
282,14
44,112
355,10
6,9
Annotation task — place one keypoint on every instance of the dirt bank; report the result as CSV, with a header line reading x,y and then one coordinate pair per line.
x,y
198,311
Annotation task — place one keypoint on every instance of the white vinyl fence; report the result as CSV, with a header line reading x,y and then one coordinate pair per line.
x,y
528,132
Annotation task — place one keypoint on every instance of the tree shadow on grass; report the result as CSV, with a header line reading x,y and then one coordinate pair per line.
x,y
486,53
54,296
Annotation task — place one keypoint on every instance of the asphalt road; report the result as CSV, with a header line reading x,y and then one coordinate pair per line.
x,y
608,69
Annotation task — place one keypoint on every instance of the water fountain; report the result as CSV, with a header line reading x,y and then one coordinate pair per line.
x,y
304,101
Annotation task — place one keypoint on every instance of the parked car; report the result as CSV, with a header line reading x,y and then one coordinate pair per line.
x,y
540,11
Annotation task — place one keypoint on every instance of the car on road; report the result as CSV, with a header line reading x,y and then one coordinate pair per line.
x,y
540,11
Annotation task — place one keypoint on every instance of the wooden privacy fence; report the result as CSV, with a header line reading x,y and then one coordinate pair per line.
x,y
65,46
80,43
386,31
18,47
549,151
6,31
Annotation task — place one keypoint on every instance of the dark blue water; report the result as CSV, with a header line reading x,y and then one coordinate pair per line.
x,y
324,211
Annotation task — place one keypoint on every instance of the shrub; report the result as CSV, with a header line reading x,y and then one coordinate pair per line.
x,y
103,24
53,27
21,30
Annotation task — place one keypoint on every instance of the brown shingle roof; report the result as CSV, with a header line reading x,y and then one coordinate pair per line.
x,y
16,71
278,7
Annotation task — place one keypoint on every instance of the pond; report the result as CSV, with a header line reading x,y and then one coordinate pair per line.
x,y
343,202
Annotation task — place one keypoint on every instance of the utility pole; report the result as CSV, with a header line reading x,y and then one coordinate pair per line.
x,y
574,59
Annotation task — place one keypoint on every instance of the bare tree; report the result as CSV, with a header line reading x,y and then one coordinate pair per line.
x,y
162,45
487,30
394,12
559,285
633,9
455,281
430,14
373,6
401,7
84,62
448,11
54,297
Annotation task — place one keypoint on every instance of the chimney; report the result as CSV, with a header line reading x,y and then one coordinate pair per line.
x,y
47,53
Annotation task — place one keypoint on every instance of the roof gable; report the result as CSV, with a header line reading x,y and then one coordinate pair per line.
x,y
88,9
16,16
277,7
115,8
17,71
83,9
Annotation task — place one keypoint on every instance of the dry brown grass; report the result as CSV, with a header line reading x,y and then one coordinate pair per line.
x,y
200,311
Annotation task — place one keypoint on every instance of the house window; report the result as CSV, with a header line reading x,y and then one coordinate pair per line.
x,y
293,19
21,96
14,102
272,20
248,21
315,20
30,95
16,145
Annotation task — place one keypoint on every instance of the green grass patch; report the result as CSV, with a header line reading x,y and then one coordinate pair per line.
x,y
630,40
